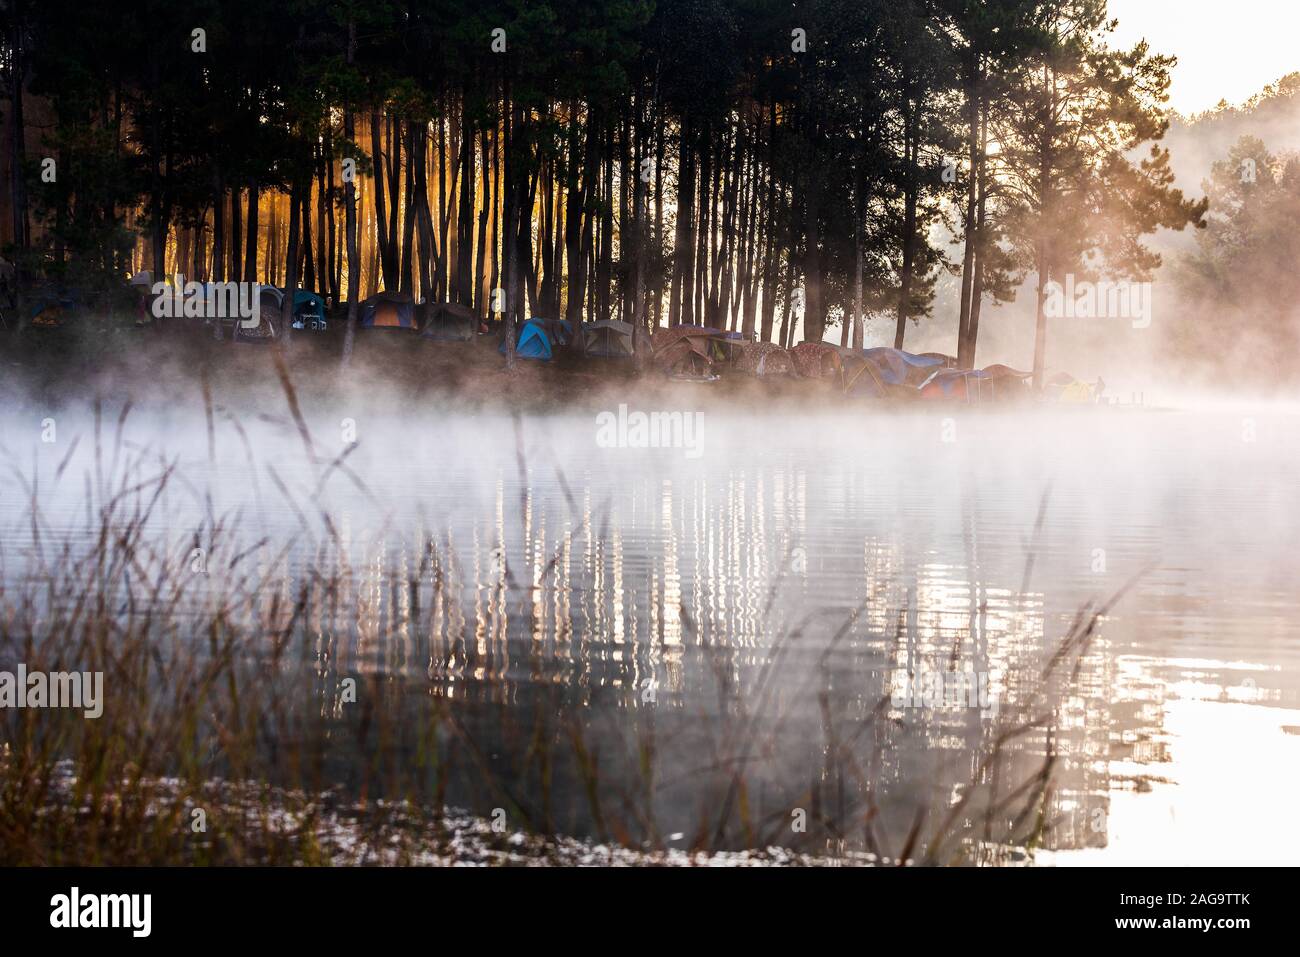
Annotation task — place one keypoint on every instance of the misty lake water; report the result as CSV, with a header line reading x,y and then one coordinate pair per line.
x,y
804,566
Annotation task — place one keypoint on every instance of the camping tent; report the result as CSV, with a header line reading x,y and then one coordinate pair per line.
x,y
53,310
388,310
999,371
269,303
949,362
816,360
862,378
607,339
763,359
309,311
722,346
533,342
1006,382
896,367
449,322
1073,393
962,385
684,352
270,300
686,358
1077,393
1066,389
559,331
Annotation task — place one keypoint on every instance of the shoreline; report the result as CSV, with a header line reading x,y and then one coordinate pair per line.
x,y
51,368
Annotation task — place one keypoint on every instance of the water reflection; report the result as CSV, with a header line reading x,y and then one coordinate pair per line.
x,y
757,611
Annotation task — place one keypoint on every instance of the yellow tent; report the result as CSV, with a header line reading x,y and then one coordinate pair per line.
x,y
1078,393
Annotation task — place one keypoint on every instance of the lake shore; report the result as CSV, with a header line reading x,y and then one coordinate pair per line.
x,y
157,363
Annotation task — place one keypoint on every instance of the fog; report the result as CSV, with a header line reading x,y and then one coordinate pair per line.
x,y
853,549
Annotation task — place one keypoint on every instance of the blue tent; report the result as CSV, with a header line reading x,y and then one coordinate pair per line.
x,y
388,310
308,310
52,310
533,342
896,367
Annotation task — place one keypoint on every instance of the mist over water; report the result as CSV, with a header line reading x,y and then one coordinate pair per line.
x,y
804,565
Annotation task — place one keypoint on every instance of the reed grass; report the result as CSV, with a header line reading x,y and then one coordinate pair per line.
x,y
226,693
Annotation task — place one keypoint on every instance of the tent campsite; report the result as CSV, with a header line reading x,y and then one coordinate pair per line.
x,y
607,339
862,379
723,346
1007,383
269,303
763,359
817,360
309,311
684,352
449,322
532,342
388,310
1068,390
963,385
898,368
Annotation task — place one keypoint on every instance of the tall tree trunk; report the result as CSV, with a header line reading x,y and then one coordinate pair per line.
x,y
971,227
858,217
510,252
682,295
787,316
576,221
605,257
498,203
18,142
428,253
381,200
291,263
465,211
307,256
444,265
658,238
236,235
350,217
814,317
250,254
408,220
327,214
977,289
218,270
480,257
910,199
1040,317
639,310
324,267
771,260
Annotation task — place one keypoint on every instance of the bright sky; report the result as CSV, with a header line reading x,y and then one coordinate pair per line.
x,y
1226,49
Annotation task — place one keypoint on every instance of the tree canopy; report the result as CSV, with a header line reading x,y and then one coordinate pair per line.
x,y
783,170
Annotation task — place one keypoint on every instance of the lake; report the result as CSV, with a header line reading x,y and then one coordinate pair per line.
x,y
1060,637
